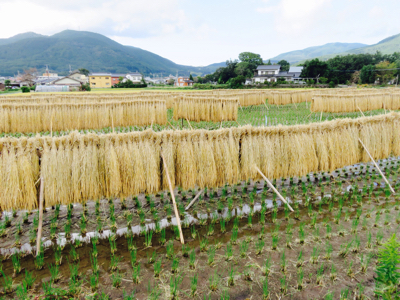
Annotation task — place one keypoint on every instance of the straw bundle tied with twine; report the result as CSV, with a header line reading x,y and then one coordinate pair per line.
x,y
47,117
81,167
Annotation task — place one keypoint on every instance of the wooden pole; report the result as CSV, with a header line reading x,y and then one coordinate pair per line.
x,y
171,125
360,111
189,123
376,165
194,200
39,233
273,188
112,122
320,119
178,220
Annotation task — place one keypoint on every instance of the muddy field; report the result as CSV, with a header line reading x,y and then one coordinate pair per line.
x,y
240,242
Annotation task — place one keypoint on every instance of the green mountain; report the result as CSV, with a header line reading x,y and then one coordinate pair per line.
x,y
311,52
386,46
82,49
18,37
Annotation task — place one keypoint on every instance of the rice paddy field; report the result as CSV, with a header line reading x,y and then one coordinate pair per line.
x,y
112,232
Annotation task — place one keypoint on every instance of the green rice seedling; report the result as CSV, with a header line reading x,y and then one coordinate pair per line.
x,y
95,263
174,286
211,255
283,284
310,210
185,250
364,223
328,234
274,215
301,233
316,234
116,279
16,263
377,219
266,292
74,254
21,292
228,252
354,225
300,260
148,238
234,236
78,243
262,233
347,215
170,249
262,215
210,229
94,281
244,246
193,232
162,239
313,221
338,216
236,223
82,224
387,269
341,230
329,250
388,218
58,256
364,262
315,255
176,233
223,225
214,282
283,262
3,232
28,280
320,275
136,274
175,264
203,245
369,240
344,249
300,276
349,271
259,246
247,274
192,259
267,267
19,228
39,259
344,294
114,262
249,221
113,244
329,296
74,270
333,274
193,285
275,240
129,219
357,243
133,255
54,273
231,277
379,238
157,268
67,230
7,284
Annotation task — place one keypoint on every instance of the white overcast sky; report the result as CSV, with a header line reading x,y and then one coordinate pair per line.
x,y
204,32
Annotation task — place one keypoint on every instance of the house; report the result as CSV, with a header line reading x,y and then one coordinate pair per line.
x,y
268,73
78,76
134,77
183,81
115,78
67,81
100,80
296,72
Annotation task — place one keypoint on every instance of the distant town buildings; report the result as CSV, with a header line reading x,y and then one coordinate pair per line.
x,y
184,81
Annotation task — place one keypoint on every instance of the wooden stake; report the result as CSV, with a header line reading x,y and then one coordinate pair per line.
x,y
171,125
39,233
266,106
376,165
194,200
273,188
171,190
320,119
361,111
238,123
189,123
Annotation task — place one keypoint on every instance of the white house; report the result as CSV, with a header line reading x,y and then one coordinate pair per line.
x,y
67,81
271,73
134,77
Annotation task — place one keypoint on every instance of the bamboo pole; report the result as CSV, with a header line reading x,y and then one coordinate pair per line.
x,y
189,123
171,125
360,111
194,200
178,220
39,233
273,188
376,165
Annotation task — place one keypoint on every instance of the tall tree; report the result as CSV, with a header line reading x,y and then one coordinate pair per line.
x,y
313,68
191,77
252,59
385,71
367,74
269,63
84,71
284,65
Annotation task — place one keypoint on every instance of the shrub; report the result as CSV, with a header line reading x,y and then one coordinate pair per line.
x,y
25,89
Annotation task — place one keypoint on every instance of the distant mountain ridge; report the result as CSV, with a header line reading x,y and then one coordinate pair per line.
x,y
315,51
83,49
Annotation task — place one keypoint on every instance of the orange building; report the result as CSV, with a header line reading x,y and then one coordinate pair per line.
x,y
183,81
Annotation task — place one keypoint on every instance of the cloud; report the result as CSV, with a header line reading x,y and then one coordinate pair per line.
x,y
123,17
